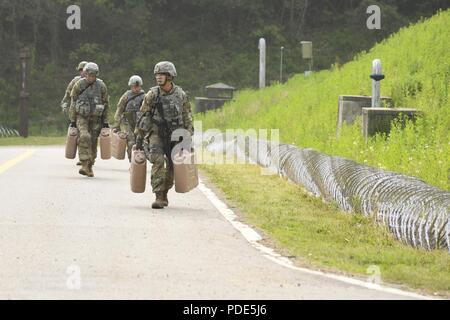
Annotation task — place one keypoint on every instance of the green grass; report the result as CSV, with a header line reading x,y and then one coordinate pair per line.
x,y
321,236
32,141
416,62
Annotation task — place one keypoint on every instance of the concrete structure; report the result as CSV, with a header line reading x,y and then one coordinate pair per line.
x,y
220,90
378,120
350,107
203,104
307,54
216,96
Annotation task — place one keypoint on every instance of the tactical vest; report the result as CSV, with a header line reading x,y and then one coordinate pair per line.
x,y
89,102
172,105
133,106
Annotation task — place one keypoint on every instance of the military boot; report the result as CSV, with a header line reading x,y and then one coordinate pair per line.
x,y
84,168
166,201
159,202
79,163
91,172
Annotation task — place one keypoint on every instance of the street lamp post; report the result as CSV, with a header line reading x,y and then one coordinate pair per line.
x,y
24,95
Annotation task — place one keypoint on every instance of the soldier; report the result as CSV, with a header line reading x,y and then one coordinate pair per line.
x,y
65,103
128,112
89,113
165,108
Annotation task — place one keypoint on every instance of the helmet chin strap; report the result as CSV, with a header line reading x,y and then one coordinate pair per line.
x,y
168,79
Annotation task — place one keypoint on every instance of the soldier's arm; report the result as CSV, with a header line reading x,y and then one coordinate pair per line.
x,y
187,115
105,101
66,99
146,108
120,108
74,96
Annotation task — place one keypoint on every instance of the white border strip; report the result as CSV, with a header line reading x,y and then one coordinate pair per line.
x,y
253,238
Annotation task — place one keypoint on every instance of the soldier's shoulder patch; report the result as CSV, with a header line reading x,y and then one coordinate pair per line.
x,y
79,84
74,80
153,92
180,92
126,95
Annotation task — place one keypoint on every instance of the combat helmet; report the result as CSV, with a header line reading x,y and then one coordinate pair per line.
x,y
165,67
91,68
135,80
81,65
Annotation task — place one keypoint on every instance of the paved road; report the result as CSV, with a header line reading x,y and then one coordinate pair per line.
x,y
67,236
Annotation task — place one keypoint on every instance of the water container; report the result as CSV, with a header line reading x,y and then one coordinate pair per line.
x,y
71,143
105,143
138,171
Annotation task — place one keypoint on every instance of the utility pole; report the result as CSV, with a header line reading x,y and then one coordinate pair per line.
x,y
24,95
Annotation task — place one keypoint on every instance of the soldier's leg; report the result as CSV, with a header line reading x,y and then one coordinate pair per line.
x,y
95,127
157,158
131,138
169,178
84,139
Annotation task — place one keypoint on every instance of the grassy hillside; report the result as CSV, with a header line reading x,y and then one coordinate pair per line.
x,y
416,62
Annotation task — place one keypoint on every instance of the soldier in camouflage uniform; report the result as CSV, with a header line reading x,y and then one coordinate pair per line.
x,y
65,103
89,113
173,102
128,112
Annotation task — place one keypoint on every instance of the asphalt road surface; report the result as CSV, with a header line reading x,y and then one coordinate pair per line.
x,y
65,236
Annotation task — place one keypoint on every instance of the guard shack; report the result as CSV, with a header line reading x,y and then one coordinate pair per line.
x,y
216,96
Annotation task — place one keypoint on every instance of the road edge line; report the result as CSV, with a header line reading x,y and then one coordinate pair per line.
x,y
253,237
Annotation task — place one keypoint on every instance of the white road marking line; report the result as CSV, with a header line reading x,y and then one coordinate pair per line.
x,y
253,238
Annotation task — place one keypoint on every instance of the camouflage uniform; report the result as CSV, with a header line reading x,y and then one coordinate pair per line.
x,y
65,103
127,114
89,110
177,111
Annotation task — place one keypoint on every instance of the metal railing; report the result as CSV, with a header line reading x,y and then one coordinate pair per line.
x,y
8,132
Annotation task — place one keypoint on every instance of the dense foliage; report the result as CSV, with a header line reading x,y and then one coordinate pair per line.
x,y
416,62
209,41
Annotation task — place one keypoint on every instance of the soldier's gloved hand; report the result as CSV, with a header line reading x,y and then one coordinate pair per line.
x,y
105,125
73,125
139,145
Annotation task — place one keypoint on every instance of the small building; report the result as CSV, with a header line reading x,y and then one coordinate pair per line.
x,y
216,96
220,90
